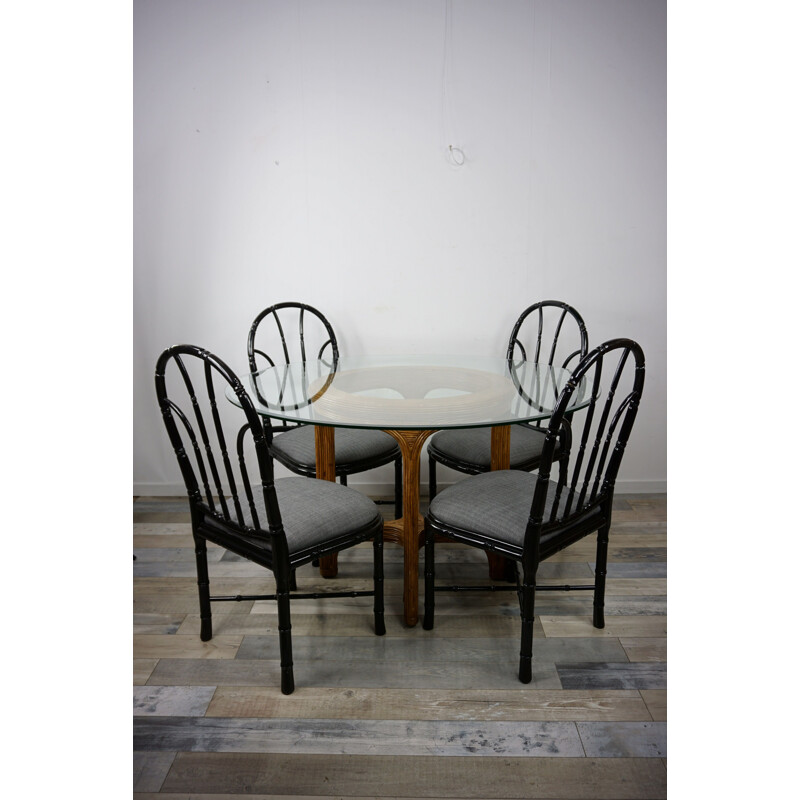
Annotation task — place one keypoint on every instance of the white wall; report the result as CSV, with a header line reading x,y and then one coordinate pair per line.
x,y
298,150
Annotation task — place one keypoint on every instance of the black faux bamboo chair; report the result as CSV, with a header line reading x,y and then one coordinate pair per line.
x,y
279,524
296,332
527,517
555,335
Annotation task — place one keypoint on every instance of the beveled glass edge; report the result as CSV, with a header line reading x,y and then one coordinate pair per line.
x,y
300,410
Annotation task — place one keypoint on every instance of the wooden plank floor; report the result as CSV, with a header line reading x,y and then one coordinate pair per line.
x,y
414,714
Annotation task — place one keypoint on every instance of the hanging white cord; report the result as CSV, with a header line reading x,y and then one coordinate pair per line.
x,y
455,154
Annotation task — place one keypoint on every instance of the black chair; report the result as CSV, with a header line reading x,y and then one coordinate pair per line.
x,y
279,524
528,518
297,332
555,335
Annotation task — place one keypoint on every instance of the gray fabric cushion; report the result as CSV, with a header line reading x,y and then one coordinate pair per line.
x,y
474,445
495,504
350,445
315,511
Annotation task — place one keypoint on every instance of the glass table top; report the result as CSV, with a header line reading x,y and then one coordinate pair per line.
x,y
408,392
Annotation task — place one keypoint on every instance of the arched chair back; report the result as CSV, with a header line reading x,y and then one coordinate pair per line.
x,y
576,479
289,333
217,445
286,333
548,332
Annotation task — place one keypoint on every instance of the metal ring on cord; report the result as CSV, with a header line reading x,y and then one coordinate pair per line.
x,y
457,155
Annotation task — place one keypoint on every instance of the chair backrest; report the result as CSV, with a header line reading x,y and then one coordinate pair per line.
x,y
290,332
548,332
593,441
205,428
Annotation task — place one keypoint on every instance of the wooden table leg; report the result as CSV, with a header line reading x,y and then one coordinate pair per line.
x,y
326,471
408,530
501,569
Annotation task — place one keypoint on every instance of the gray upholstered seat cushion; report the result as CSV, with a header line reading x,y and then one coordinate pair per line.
x,y
351,445
495,504
315,511
474,445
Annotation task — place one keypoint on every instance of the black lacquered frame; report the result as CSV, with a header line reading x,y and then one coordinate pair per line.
x,y
581,496
516,350
327,349
222,500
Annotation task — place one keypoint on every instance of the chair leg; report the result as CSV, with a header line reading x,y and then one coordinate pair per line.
x,y
201,558
528,596
431,478
600,569
293,580
285,633
427,622
377,583
398,488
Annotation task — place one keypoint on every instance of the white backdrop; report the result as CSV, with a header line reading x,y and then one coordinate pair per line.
x,y
299,150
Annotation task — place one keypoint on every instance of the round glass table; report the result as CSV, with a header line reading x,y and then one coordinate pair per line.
x,y
409,397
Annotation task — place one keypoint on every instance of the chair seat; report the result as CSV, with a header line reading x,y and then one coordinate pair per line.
x,y
315,511
495,505
353,446
474,446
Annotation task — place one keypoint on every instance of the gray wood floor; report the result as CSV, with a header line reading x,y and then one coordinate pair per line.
x,y
415,713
